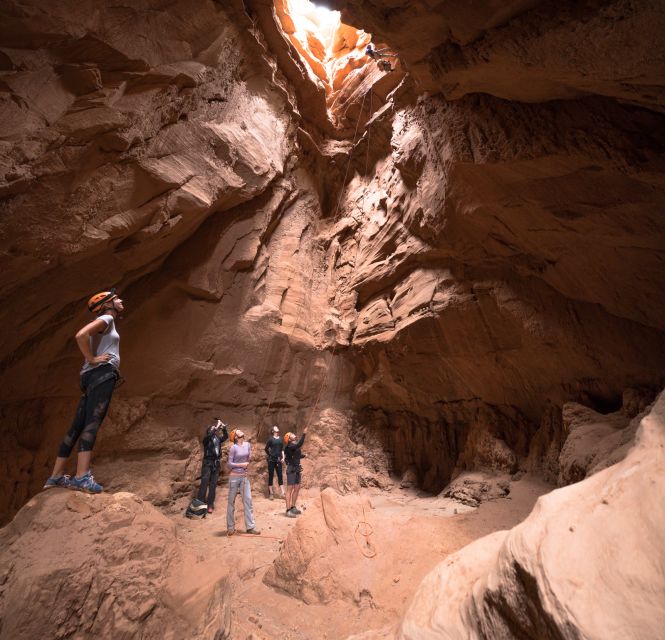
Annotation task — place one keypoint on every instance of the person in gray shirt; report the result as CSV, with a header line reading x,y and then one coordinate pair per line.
x,y
99,342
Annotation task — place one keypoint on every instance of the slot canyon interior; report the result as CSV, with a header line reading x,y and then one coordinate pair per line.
x,y
446,262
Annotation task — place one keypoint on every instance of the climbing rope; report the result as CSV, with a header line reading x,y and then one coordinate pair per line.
x,y
364,529
353,142
282,367
369,133
369,129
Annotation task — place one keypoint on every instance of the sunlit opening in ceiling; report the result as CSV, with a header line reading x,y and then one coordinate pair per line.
x,y
313,20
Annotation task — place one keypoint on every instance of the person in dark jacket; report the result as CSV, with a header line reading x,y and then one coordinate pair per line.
x,y
292,454
275,454
216,434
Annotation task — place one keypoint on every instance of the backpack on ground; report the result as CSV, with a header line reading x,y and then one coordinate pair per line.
x,y
196,509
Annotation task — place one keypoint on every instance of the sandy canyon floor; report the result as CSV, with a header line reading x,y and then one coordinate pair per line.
x,y
409,533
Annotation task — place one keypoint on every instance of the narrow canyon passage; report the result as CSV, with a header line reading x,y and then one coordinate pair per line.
x,y
431,233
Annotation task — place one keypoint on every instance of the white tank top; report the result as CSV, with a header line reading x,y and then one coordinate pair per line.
x,y
106,342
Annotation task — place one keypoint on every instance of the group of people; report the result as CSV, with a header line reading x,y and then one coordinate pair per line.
x,y
278,452
99,342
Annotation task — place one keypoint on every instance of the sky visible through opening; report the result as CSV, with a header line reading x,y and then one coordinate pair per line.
x,y
314,18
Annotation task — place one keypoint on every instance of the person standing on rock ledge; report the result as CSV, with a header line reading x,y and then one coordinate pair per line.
x,y
240,455
99,343
275,453
216,434
293,453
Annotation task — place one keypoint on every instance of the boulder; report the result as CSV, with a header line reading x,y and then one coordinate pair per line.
x,y
105,566
587,563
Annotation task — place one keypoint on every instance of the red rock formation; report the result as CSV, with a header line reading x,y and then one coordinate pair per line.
x,y
565,571
140,165
296,231
457,264
105,566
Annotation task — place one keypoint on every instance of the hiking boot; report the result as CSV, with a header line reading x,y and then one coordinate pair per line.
x,y
271,496
296,510
210,509
229,533
57,481
85,483
290,513
254,531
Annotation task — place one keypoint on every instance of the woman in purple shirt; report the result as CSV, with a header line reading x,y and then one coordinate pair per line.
x,y
240,454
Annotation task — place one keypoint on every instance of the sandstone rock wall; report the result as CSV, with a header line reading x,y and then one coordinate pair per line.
x,y
154,150
452,253
575,568
525,50
465,274
489,251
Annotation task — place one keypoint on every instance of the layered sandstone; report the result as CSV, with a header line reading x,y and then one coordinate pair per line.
x,y
575,568
458,246
133,140
455,267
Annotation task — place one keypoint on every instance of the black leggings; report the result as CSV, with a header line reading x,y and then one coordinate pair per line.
x,y
272,466
209,477
90,412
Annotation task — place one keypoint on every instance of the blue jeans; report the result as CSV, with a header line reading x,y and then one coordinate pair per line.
x,y
239,485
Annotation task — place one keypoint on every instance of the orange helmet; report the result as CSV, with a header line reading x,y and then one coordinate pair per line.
x,y
97,301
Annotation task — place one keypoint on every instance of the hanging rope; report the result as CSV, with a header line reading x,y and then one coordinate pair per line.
x,y
353,142
282,367
364,529
369,129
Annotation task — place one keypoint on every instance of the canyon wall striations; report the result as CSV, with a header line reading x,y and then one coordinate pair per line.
x,y
453,266
442,255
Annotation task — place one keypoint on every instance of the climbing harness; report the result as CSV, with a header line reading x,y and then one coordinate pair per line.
x,y
377,54
111,375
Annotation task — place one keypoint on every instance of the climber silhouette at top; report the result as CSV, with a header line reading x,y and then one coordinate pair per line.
x,y
378,54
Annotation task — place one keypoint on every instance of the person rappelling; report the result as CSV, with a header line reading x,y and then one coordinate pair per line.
x,y
378,56
99,342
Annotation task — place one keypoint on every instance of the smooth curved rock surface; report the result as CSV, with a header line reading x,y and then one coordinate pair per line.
x,y
577,567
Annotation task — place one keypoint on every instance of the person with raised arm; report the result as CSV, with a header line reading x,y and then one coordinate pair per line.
x,y
292,454
216,434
